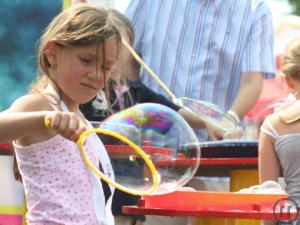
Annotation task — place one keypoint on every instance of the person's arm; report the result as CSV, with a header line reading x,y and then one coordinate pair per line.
x,y
146,94
247,96
193,120
257,60
16,125
25,120
248,93
268,163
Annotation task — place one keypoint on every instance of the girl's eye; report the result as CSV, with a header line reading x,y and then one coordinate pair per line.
x,y
85,60
107,69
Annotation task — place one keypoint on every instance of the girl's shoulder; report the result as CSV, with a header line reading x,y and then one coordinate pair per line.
x,y
31,102
290,114
286,121
271,119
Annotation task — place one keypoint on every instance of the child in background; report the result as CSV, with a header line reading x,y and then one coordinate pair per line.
x,y
279,140
76,54
122,94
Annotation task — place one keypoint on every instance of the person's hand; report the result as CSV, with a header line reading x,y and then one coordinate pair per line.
x,y
214,133
67,124
235,134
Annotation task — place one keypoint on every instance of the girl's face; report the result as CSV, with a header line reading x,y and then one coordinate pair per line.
x,y
80,71
122,63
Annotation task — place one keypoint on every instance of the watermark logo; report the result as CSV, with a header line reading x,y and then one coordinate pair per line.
x,y
285,209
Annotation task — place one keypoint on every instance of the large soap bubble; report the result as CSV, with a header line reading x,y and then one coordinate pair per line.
x,y
163,135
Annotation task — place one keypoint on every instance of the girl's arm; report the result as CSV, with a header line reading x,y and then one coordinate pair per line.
x,y
25,120
16,125
268,163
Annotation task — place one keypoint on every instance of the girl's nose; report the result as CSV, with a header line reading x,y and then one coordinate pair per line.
x,y
95,75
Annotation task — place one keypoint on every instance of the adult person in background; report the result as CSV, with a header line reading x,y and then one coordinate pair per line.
x,y
212,50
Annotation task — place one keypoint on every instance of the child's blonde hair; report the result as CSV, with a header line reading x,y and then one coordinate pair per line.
x,y
125,28
81,25
290,64
123,23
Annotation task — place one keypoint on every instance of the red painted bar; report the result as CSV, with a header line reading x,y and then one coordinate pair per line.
x,y
11,219
211,205
6,149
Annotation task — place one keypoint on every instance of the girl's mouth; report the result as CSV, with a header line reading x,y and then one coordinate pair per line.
x,y
90,86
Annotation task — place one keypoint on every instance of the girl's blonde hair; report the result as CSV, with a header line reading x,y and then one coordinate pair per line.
x,y
125,27
81,25
290,64
123,23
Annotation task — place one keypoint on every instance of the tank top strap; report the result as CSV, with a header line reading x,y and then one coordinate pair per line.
x,y
55,107
64,106
53,94
271,131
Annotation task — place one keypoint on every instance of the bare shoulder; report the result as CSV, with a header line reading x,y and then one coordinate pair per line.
x,y
291,113
272,122
272,118
29,103
286,121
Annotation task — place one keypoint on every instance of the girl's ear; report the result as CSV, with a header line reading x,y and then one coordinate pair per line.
x,y
50,53
289,82
293,85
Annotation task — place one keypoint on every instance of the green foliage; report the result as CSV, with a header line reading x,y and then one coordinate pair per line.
x,y
296,6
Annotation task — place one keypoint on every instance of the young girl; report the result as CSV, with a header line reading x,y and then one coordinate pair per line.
x,y
280,133
76,54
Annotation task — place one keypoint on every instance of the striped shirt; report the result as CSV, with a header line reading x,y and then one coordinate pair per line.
x,y
199,48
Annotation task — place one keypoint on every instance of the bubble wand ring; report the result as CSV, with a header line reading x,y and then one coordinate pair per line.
x,y
98,173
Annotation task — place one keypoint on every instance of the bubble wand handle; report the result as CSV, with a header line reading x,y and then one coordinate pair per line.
x,y
148,69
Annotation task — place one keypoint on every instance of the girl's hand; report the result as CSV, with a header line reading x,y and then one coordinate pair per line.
x,y
67,124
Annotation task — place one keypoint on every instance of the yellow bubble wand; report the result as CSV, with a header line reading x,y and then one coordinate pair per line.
x,y
98,173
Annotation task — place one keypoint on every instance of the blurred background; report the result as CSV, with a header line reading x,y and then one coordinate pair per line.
x,y
23,20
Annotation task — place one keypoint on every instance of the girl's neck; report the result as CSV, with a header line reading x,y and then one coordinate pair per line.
x,y
62,99
72,107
